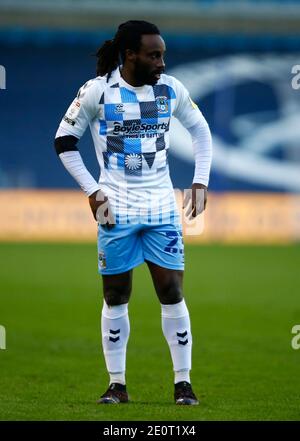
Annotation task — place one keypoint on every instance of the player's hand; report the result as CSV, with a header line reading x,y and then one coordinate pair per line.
x,y
195,200
101,209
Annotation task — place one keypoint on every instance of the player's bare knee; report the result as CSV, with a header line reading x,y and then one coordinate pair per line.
x,y
170,294
115,296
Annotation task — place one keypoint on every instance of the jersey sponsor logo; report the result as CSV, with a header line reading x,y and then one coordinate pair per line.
x,y
138,128
119,108
162,104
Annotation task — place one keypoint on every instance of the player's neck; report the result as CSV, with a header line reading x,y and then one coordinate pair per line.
x,y
129,78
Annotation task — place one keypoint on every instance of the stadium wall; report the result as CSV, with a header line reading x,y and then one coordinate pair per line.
x,y
64,215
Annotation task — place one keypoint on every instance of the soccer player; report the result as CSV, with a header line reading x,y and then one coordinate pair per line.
x,y
128,107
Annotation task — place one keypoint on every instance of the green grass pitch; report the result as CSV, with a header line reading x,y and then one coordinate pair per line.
x,y
243,301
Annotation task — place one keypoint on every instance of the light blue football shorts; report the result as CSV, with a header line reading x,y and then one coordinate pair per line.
x,y
126,246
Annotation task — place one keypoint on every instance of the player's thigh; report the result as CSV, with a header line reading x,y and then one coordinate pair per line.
x,y
117,288
119,249
168,283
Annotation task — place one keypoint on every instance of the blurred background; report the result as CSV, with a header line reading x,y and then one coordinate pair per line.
x,y
239,60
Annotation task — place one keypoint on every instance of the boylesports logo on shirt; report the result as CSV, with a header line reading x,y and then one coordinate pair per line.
x,y
138,128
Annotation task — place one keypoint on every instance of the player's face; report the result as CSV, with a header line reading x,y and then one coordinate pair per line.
x,y
149,62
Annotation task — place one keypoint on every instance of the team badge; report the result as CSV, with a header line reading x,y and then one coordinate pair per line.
x,y
162,104
102,260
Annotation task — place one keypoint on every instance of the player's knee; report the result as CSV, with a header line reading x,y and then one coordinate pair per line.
x,y
117,295
170,294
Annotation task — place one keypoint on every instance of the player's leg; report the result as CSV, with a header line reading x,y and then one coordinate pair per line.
x,y
168,283
176,328
119,251
115,330
163,251
117,288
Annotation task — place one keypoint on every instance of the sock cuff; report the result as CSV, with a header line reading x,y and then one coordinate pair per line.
x,y
114,312
174,311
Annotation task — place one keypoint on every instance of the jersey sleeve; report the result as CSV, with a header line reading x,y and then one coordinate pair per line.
x,y
186,111
83,109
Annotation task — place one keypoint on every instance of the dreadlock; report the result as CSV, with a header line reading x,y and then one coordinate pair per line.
x,y
128,36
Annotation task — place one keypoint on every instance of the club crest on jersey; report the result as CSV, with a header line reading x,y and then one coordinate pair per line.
x,y
119,108
162,104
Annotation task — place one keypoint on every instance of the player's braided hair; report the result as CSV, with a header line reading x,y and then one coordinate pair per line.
x,y
128,36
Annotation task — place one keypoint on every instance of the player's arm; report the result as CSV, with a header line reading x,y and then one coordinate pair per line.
x,y
202,147
192,119
82,110
66,149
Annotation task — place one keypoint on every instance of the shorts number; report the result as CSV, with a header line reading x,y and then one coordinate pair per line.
x,y
172,246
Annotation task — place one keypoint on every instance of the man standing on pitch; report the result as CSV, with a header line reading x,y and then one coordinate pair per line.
x,y
128,107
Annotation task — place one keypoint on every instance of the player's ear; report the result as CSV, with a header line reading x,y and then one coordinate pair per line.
x,y
130,55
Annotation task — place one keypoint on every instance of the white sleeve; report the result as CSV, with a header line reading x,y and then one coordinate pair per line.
x,y
202,146
83,109
186,111
74,164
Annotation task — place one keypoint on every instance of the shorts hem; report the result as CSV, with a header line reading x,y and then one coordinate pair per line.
x,y
109,272
165,265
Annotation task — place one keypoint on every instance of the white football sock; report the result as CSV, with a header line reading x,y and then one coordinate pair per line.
x,y
117,377
115,330
177,331
183,375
